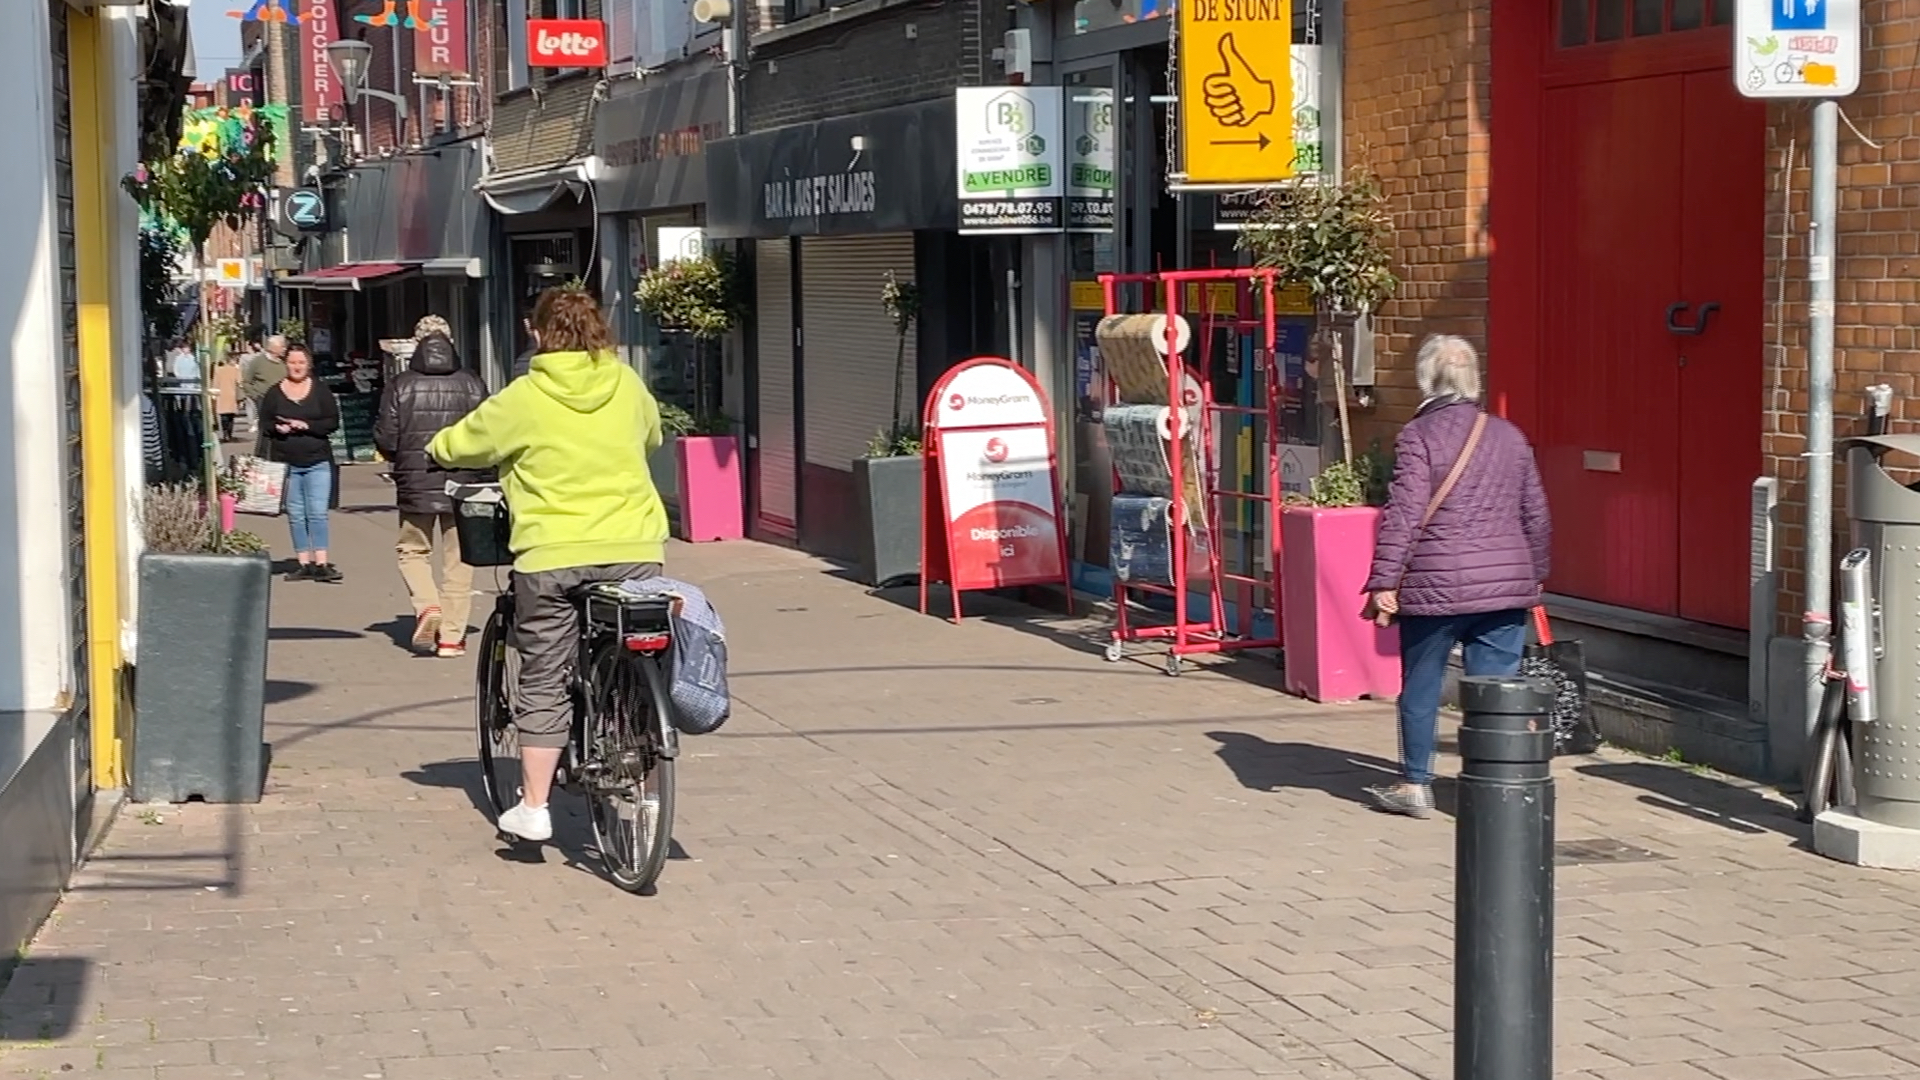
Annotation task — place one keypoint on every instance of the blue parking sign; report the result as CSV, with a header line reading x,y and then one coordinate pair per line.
x,y
1800,14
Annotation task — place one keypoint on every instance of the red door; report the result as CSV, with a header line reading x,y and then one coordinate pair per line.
x,y
1651,363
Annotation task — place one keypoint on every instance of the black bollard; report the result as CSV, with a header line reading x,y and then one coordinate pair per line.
x,y
1503,883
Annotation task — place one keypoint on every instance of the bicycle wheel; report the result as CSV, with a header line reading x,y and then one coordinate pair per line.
x,y
629,783
494,679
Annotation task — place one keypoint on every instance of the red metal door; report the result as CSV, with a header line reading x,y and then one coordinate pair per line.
x,y
1722,369
1609,385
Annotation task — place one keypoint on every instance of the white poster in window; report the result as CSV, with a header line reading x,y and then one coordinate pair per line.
x,y
1010,165
682,242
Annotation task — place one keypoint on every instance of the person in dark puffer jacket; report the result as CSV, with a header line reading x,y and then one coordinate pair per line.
x,y
433,393
1472,573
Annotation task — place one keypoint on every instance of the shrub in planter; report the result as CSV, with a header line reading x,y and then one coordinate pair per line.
x,y
200,694
887,479
1327,541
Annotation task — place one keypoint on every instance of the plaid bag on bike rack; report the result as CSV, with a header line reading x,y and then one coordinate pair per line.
x,y
701,702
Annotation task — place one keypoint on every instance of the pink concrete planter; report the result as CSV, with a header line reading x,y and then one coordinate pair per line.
x,y
227,504
709,488
1332,654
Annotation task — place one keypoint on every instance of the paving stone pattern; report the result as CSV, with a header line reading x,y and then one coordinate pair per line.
x,y
919,851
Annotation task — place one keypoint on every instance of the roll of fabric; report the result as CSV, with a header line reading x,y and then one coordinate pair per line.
x,y
1140,545
1130,351
1136,437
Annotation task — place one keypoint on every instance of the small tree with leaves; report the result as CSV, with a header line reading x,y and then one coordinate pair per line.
x,y
1334,238
219,180
901,300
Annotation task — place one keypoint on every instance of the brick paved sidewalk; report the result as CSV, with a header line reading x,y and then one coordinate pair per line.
x,y
918,852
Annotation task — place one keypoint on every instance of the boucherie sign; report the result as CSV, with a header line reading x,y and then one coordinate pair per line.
x,y
566,43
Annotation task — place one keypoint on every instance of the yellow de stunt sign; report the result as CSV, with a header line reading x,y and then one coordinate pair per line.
x,y
1236,91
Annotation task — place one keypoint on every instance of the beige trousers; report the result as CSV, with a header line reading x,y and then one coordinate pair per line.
x,y
454,595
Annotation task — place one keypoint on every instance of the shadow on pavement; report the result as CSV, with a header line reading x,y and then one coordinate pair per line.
x,y
311,633
1261,765
461,773
41,999
283,690
1702,797
398,629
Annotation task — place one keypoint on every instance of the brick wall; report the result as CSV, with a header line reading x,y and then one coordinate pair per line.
x,y
1416,112
854,66
546,124
1877,286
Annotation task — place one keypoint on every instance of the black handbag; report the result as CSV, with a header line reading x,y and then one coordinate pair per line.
x,y
1564,665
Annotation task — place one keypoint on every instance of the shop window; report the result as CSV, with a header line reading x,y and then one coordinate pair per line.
x,y
510,46
800,9
1594,22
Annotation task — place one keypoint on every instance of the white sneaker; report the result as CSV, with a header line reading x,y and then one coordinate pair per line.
x,y
528,822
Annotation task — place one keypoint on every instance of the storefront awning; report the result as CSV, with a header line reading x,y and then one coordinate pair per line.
x,y
530,191
347,277
453,267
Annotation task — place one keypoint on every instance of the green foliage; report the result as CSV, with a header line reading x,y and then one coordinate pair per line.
x,y
160,251
901,299
1334,238
219,181
676,421
704,296
293,329
1360,482
899,442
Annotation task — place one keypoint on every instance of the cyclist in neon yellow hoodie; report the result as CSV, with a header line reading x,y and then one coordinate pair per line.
x,y
570,441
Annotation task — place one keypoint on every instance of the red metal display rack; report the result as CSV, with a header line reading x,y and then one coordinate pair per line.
x,y
1251,313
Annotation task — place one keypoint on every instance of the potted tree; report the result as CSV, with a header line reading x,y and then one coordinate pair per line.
x,y
1335,238
200,691
704,297
887,479
219,180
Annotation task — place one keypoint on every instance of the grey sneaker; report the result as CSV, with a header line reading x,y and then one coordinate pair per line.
x,y
1411,800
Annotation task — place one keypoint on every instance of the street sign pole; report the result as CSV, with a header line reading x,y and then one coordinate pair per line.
x,y
1817,623
1795,50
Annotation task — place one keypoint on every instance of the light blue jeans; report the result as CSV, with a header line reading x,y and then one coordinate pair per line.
x,y
309,489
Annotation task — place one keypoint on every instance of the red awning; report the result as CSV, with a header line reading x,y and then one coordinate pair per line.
x,y
351,276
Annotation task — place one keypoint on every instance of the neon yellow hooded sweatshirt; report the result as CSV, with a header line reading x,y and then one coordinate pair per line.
x,y
570,439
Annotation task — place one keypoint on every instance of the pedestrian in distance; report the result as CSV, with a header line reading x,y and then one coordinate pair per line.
x,y
296,417
264,371
226,394
1461,554
571,441
433,393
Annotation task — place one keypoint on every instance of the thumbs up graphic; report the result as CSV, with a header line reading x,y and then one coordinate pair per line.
x,y
1236,95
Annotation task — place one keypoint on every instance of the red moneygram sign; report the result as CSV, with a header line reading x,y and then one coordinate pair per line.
x,y
567,43
992,490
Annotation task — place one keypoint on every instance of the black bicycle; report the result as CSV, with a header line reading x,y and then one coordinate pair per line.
x,y
622,745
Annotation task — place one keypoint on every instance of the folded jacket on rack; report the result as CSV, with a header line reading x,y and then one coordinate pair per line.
x,y
1137,440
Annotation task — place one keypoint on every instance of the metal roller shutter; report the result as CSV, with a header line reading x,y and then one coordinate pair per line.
x,y
776,472
66,247
850,342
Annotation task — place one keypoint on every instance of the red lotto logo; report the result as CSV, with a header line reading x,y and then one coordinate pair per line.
x,y
996,451
566,43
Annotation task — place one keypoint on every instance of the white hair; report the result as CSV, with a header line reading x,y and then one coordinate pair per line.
x,y
1448,367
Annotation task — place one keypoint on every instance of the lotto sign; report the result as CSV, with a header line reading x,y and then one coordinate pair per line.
x,y
567,43
992,517
1796,48
232,273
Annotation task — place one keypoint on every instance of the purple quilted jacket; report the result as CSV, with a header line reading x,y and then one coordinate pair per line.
x,y
1486,548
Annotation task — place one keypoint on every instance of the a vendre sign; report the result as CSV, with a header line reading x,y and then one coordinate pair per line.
x,y
992,516
566,43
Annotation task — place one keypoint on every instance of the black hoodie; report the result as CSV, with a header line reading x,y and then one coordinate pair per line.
x,y
434,392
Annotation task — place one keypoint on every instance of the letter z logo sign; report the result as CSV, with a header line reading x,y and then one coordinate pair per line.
x,y
566,43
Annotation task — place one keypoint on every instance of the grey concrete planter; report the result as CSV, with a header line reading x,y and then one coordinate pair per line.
x,y
886,493
200,691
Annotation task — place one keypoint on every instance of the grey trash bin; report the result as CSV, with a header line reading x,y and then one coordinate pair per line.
x,y
1886,518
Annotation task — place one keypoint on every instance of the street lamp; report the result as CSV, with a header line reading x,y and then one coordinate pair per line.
x,y
350,59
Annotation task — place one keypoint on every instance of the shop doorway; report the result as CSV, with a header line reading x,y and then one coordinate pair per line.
x,y
1652,224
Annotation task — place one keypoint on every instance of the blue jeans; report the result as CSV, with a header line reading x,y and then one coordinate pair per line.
x,y
309,487
1493,643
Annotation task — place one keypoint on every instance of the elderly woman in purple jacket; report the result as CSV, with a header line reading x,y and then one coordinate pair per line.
x,y
1457,564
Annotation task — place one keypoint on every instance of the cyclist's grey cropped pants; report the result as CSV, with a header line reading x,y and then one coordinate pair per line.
x,y
545,637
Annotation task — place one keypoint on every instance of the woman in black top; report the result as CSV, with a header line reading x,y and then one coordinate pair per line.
x,y
296,416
